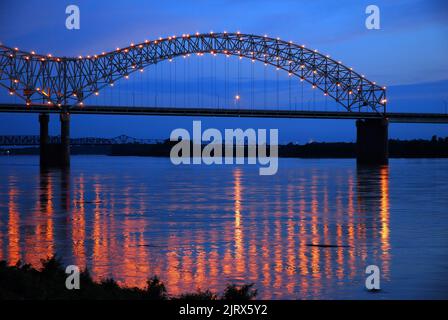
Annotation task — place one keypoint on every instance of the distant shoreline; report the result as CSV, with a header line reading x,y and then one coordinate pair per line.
x,y
434,148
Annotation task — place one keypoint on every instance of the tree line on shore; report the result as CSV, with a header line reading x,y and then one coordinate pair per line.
x,y
23,282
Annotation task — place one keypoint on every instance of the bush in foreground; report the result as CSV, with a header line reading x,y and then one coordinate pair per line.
x,y
23,282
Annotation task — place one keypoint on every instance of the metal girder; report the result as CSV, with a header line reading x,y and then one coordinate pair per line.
x,y
64,81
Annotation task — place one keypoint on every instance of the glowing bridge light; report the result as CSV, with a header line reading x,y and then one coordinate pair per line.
x,y
383,101
237,97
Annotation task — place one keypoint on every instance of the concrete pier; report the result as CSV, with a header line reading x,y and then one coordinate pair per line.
x,y
54,155
372,141
44,119
65,139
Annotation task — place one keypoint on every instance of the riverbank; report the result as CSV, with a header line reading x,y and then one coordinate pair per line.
x,y
23,282
437,147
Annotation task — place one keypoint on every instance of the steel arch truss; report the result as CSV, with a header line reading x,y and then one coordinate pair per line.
x,y
68,81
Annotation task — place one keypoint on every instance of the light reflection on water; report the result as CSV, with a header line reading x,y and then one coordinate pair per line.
x,y
201,226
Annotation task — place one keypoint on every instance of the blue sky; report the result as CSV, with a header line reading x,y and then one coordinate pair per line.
x,y
408,54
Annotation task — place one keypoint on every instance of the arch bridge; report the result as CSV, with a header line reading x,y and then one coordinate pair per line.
x,y
63,83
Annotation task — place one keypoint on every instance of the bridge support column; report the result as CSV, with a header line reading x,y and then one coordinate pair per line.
x,y
65,139
44,151
372,141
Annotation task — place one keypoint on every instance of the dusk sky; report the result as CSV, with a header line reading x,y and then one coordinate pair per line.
x,y
408,54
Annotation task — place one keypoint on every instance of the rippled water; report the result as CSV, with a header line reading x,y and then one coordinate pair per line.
x,y
205,226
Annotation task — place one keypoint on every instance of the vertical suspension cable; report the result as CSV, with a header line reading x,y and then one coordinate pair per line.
x,y
252,97
215,91
147,81
133,91
238,97
119,94
175,82
277,87
226,98
202,85
156,84
141,88
185,82
264,86
170,85
211,95
197,78
303,107
289,84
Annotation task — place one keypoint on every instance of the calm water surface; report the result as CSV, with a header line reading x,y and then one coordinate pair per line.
x,y
205,226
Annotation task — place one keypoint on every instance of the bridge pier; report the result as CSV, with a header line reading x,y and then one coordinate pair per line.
x,y
372,145
44,158
65,139
54,155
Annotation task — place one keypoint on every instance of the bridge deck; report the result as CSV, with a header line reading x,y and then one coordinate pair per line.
x,y
215,112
